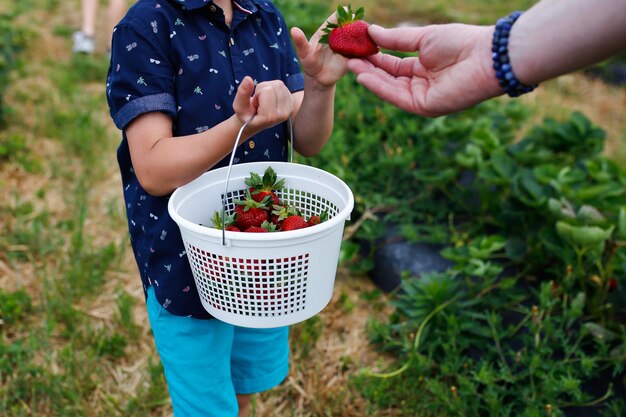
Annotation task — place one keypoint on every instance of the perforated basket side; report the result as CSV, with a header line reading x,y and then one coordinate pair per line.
x,y
263,279
265,287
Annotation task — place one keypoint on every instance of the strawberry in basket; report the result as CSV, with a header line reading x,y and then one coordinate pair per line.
x,y
315,219
261,187
265,227
250,212
229,221
294,222
280,213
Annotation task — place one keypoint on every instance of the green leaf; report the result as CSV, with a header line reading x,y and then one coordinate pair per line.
x,y
612,189
583,236
516,249
503,164
578,305
562,208
485,246
480,268
359,14
600,332
526,188
590,215
456,254
436,176
621,224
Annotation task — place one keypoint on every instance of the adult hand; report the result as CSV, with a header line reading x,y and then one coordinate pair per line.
x,y
270,103
452,72
318,61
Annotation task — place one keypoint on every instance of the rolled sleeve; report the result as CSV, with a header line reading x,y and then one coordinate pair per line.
x,y
295,82
158,102
141,77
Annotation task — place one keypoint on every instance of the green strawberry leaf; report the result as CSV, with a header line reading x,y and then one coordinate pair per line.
x,y
583,235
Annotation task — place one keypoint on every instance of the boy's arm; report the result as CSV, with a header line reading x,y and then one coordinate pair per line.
x,y
314,107
163,162
313,124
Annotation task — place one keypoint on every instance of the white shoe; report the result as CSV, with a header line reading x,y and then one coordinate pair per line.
x,y
83,44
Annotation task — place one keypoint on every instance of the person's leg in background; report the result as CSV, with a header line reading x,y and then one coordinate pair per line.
x,y
84,39
117,8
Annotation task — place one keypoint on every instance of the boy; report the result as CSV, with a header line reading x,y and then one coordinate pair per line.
x,y
185,75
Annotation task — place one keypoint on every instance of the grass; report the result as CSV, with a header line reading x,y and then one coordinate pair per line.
x,y
74,339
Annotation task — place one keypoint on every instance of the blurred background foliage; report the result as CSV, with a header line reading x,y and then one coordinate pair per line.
x,y
526,196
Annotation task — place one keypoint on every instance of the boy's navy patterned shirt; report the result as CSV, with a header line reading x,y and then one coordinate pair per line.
x,y
180,58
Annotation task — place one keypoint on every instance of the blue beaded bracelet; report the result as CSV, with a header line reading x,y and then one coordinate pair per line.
x,y
501,62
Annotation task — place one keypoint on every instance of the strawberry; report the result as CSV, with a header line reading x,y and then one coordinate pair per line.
x,y
315,219
250,213
612,284
280,213
266,186
229,221
349,37
293,223
265,227
255,229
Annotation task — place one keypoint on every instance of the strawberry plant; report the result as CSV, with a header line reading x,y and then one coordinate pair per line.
x,y
528,321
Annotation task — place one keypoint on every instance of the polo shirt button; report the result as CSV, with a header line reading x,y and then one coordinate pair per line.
x,y
212,8
232,41
251,144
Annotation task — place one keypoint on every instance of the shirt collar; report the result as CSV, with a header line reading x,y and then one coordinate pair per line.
x,y
246,6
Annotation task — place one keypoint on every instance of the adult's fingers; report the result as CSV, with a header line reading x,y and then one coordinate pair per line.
x,y
392,65
398,39
402,92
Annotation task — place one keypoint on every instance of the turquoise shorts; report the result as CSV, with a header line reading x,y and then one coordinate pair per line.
x,y
207,362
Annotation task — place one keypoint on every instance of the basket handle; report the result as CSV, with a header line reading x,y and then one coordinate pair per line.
x,y
230,165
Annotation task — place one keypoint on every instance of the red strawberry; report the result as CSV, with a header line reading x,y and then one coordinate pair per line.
x,y
315,219
349,37
265,227
612,284
293,223
250,213
263,187
280,213
229,221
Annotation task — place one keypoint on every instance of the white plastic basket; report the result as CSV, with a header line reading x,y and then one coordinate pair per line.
x,y
263,280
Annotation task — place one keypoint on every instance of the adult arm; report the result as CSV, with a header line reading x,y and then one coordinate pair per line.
x,y
454,68
556,37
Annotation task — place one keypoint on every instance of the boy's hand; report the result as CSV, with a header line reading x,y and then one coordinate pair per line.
x,y
318,61
270,103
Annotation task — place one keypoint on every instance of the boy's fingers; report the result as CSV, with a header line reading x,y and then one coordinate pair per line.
x,y
244,92
300,42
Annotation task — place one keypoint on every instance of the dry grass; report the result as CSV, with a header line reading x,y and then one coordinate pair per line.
x,y
602,103
318,382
